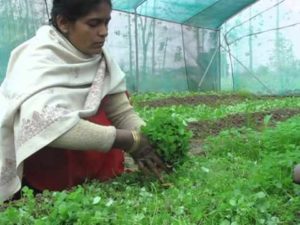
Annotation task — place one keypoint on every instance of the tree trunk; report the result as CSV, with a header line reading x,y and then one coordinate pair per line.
x,y
145,39
130,45
198,44
250,42
165,54
153,40
153,47
277,37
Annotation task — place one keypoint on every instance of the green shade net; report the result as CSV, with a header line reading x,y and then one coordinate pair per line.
x,y
206,14
168,57
19,20
173,10
125,5
215,15
264,51
176,46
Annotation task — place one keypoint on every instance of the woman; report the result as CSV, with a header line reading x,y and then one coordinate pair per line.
x,y
61,93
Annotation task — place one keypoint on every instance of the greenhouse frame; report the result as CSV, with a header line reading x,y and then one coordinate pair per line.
x,y
202,128
176,45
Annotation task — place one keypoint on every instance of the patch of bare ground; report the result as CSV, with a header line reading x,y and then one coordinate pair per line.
x,y
210,100
203,129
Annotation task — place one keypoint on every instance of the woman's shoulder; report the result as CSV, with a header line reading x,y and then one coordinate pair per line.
x,y
39,37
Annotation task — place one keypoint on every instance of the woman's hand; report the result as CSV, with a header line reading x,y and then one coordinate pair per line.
x,y
140,149
147,159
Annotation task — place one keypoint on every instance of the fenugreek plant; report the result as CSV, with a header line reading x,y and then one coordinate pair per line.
x,y
169,134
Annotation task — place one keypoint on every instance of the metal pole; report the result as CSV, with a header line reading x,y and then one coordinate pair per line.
x,y
250,72
209,65
220,62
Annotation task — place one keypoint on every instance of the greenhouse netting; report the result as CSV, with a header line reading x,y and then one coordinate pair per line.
x,y
260,49
168,45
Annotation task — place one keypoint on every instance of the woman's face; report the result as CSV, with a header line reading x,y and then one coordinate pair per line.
x,y
88,33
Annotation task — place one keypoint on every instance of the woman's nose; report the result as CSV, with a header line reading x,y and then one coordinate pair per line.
x,y
103,30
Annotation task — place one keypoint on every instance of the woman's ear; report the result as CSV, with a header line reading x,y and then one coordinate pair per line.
x,y
63,24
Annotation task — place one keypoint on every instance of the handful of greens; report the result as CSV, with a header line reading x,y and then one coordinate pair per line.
x,y
168,133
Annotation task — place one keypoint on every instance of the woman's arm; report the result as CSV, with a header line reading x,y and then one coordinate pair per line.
x,y
89,136
86,135
121,113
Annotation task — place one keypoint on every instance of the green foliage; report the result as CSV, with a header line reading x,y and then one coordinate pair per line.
x,y
244,179
204,112
169,134
284,137
234,141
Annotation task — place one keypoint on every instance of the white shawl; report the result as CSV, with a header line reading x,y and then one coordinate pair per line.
x,y
48,87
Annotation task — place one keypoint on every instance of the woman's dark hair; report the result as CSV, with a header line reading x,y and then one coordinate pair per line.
x,y
73,9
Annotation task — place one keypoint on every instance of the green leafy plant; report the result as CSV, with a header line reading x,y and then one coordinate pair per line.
x,y
267,120
169,134
244,178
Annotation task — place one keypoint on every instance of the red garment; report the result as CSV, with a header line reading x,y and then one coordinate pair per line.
x,y
58,169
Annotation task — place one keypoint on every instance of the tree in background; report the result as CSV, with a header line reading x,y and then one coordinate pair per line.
x,y
130,45
250,41
153,41
146,28
19,19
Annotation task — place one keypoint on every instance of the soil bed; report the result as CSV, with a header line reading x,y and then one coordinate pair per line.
x,y
203,129
210,100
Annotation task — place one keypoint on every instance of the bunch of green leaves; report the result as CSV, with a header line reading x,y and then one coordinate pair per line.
x,y
168,133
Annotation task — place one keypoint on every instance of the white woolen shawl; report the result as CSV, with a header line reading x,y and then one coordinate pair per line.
x,y
48,87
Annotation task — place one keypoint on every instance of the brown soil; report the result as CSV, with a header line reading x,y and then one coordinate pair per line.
x,y
211,100
203,129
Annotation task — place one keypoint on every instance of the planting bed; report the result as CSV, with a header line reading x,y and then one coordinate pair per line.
x,y
210,100
256,120
251,145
